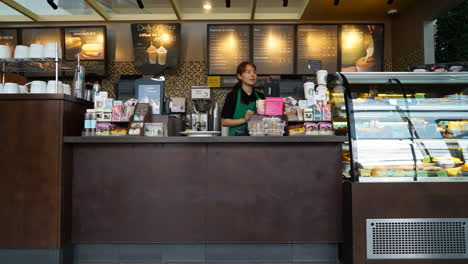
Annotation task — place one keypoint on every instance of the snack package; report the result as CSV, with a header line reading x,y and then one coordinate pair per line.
x,y
326,112
100,100
136,129
119,132
312,128
297,130
261,107
326,128
317,112
103,129
107,115
154,129
308,114
117,111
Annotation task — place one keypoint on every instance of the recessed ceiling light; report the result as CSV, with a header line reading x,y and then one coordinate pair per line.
x,y
207,5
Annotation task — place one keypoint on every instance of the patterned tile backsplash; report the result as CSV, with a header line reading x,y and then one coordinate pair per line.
x,y
178,83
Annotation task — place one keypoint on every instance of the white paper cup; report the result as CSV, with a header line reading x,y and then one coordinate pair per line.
x,y
66,89
21,52
51,87
37,87
11,88
50,50
36,51
5,52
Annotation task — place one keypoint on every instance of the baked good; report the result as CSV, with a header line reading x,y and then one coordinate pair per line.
x,y
91,51
73,42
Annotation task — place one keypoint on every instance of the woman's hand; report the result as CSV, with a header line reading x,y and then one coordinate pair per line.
x,y
249,115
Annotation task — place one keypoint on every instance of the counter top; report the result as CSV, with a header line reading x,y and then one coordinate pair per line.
x,y
65,97
183,139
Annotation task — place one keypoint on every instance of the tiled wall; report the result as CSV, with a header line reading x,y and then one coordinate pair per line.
x,y
178,84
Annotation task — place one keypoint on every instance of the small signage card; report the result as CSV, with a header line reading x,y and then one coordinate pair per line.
x,y
274,106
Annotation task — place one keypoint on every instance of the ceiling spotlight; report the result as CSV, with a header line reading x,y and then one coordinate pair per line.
x,y
52,4
207,5
140,4
228,3
389,2
285,3
336,2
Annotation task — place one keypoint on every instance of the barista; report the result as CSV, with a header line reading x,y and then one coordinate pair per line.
x,y
240,103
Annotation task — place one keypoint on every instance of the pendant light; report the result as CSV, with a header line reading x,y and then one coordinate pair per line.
x,y
389,2
285,3
336,2
228,3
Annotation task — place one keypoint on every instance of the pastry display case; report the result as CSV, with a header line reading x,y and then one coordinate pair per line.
x,y
406,127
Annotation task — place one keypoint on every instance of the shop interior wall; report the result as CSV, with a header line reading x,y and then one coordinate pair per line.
x,y
408,31
193,67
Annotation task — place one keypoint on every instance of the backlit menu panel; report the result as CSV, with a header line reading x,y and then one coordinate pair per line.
x,y
228,46
273,49
317,48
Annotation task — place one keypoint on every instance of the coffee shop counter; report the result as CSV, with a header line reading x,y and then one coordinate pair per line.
x,y
206,189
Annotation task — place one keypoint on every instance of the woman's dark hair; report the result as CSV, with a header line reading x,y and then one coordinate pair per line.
x,y
241,69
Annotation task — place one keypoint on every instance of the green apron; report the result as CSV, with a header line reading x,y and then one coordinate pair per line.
x,y
240,111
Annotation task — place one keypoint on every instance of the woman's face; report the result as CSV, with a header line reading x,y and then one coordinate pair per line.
x,y
249,76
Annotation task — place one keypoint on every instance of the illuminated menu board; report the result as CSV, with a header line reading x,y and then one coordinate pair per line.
x,y
317,48
88,42
362,48
273,49
228,46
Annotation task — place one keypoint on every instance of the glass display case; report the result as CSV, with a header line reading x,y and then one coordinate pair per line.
x,y
407,126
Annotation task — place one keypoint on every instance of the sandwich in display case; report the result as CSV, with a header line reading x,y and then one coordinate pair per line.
x,y
407,127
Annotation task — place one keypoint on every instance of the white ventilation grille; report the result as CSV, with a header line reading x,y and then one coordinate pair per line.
x,y
421,238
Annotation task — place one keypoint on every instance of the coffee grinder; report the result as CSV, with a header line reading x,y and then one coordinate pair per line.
x,y
201,99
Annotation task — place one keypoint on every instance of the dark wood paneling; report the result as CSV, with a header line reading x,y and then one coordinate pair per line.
x,y
139,193
143,193
274,192
29,158
403,200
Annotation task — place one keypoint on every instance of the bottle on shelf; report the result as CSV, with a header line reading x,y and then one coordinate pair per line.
x,y
90,123
79,80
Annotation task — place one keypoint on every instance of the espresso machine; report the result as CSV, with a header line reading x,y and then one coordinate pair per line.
x,y
206,116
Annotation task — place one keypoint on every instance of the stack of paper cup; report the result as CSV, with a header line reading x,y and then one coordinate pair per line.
x,y
21,52
36,51
5,52
50,50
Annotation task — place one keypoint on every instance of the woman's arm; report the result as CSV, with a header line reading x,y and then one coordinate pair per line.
x,y
232,122
235,122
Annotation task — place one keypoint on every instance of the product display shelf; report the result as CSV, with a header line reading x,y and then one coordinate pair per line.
x,y
407,127
25,65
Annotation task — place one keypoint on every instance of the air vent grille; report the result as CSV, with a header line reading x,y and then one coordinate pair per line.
x,y
440,238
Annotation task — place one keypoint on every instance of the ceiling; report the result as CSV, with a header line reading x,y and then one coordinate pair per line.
x,y
353,9
188,10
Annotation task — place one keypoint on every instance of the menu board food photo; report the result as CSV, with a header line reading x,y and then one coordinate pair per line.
x,y
88,42
317,48
41,36
273,49
228,46
155,46
362,48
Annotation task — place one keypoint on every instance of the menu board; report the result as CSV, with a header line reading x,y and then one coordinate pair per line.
x,y
155,46
88,42
9,37
273,49
317,48
40,36
362,48
228,46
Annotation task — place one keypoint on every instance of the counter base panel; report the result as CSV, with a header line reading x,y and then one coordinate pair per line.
x,y
203,193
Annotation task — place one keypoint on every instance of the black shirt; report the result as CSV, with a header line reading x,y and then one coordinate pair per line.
x,y
231,100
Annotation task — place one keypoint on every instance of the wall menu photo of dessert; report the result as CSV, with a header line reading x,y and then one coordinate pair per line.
x,y
88,42
362,48
155,46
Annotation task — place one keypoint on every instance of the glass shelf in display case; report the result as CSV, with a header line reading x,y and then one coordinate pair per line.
x,y
406,127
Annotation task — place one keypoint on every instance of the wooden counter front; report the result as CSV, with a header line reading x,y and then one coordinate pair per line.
x,y
170,192
32,189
